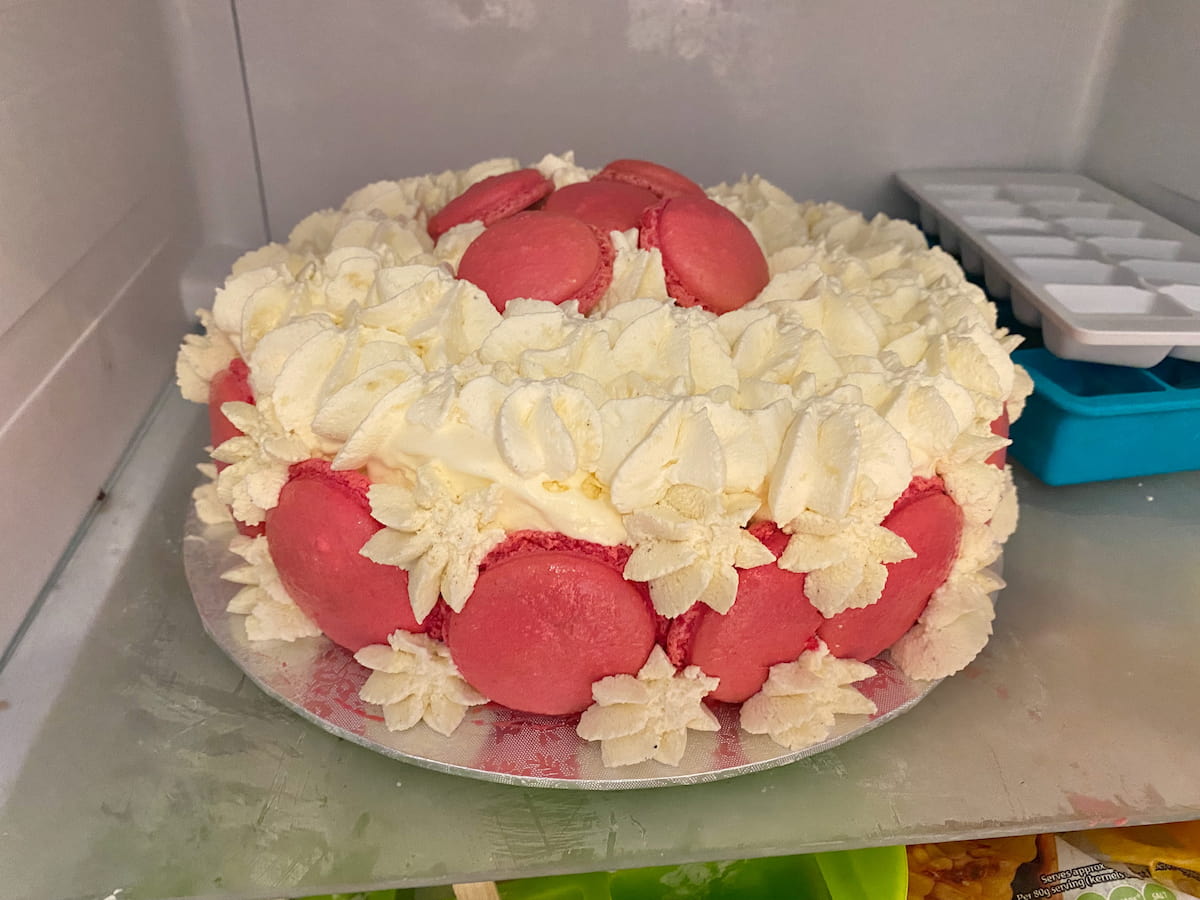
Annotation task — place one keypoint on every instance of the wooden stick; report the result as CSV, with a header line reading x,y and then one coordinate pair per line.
x,y
478,890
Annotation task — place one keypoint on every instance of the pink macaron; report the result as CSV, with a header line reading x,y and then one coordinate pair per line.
x,y
322,520
550,616
770,622
542,256
932,523
231,384
605,205
491,200
710,257
659,180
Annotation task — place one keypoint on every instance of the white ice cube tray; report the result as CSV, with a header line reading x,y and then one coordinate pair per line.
x,y
1105,279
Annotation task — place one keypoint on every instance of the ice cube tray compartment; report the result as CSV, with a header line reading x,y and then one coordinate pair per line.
x,y
984,207
1106,280
964,191
1187,294
1059,210
1073,271
1139,248
1156,271
1084,227
1113,300
1007,224
1028,193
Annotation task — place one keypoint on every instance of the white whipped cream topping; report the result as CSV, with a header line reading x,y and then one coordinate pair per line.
x,y
866,360
648,716
414,680
256,302
435,532
845,560
271,613
454,243
258,459
200,359
209,508
839,459
957,623
928,411
563,170
840,470
1004,518
1022,388
952,630
687,546
977,487
268,256
637,273
799,703
416,198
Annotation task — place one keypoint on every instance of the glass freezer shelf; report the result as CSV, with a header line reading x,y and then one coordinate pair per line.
x,y
135,757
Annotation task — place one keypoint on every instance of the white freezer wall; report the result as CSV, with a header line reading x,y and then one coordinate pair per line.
x,y
826,99
1146,142
97,216
144,143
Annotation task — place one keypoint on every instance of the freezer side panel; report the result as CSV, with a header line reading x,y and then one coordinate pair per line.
x,y
96,218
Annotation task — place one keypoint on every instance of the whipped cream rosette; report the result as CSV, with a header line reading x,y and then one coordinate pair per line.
x,y
848,403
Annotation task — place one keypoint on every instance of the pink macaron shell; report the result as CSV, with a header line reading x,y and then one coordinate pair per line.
x,y
314,535
770,622
710,257
491,200
615,556
659,180
917,488
542,626
231,384
932,524
605,205
542,256
526,541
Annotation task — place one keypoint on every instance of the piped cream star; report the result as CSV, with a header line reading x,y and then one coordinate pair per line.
x,y
648,717
415,680
687,546
209,508
798,704
438,534
845,560
271,613
201,357
258,461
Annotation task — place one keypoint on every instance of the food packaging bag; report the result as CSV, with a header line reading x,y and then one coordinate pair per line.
x,y
1162,862
1148,862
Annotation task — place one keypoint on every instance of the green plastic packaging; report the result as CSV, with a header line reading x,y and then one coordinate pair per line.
x,y
878,873
871,874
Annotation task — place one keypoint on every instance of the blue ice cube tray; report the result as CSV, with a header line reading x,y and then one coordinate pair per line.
x,y
1094,422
